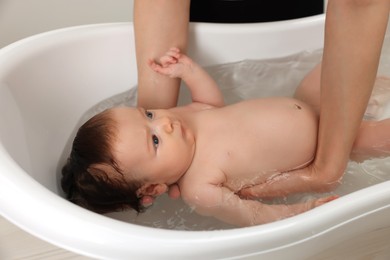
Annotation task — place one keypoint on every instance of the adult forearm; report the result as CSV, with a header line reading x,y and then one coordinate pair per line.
x,y
353,40
158,25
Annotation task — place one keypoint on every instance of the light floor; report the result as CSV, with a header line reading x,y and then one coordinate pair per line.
x,y
17,244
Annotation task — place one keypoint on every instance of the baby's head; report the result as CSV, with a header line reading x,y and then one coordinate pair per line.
x,y
123,154
92,177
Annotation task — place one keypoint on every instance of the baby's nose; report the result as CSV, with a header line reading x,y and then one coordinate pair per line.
x,y
165,123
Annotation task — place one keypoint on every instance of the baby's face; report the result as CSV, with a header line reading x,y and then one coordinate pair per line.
x,y
154,145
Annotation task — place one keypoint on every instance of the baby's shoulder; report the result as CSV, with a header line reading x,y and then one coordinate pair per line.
x,y
194,107
196,184
190,182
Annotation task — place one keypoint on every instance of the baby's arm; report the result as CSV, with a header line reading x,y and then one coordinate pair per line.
x,y
223,204
203,88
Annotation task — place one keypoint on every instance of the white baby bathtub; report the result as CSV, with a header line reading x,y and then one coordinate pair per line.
x,y
48,81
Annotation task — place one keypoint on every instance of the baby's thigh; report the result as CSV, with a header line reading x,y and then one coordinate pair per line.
x,y
308,90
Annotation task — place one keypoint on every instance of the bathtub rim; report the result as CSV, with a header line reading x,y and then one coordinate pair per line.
x,y
195,27
203,241
351,207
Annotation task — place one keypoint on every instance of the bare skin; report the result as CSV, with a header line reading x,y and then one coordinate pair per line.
x,y
290,128
351,56
350,61
214,151
372,138
158,25
372,141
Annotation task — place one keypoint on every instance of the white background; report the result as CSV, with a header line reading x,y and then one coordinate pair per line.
x,y
22,18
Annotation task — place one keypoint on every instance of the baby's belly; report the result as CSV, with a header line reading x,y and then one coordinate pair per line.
x,y
278,135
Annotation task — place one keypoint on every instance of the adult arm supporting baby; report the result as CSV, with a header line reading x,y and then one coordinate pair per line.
x,y
223,204
354,36
158,25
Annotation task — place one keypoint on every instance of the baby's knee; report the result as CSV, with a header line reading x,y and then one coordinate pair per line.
x,y
373,140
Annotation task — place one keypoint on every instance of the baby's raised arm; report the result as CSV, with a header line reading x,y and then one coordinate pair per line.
x,y
203,88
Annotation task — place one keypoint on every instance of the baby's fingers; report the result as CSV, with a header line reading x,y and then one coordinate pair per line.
x,y
174,191
160,69
173,52
170,57
167,60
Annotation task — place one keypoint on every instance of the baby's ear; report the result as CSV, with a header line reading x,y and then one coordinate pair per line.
x,y
153,190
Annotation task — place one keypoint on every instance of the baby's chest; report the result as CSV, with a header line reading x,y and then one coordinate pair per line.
x,y
249,145
237,150
229,166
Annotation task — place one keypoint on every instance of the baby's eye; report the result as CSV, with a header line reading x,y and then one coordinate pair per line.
x,y
155,141
149,114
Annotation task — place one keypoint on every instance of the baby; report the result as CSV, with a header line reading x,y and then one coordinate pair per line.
x,y
210,150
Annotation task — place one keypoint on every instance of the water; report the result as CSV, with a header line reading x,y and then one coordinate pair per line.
x,y
251,79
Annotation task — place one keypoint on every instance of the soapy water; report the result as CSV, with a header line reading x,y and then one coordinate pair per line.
x,y
257,79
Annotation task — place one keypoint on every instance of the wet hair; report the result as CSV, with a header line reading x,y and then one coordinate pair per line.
x,y
92,187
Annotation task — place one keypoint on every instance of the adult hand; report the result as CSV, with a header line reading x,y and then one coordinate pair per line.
x,y
173,193
309,179
346,86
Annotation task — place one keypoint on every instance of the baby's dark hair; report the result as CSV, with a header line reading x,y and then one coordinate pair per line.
x,y
92,187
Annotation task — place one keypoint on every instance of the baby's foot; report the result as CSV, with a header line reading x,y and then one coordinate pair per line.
x,y
322,201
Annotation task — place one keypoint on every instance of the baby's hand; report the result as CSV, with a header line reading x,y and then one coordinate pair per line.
x,y
173,64
173,193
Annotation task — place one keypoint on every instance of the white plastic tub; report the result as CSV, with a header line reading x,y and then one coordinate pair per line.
x,y
48,81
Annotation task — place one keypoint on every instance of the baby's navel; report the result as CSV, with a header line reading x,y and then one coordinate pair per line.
x,y
297,106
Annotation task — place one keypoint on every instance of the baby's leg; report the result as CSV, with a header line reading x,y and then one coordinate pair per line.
x,y
373,138
379,97
309,92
